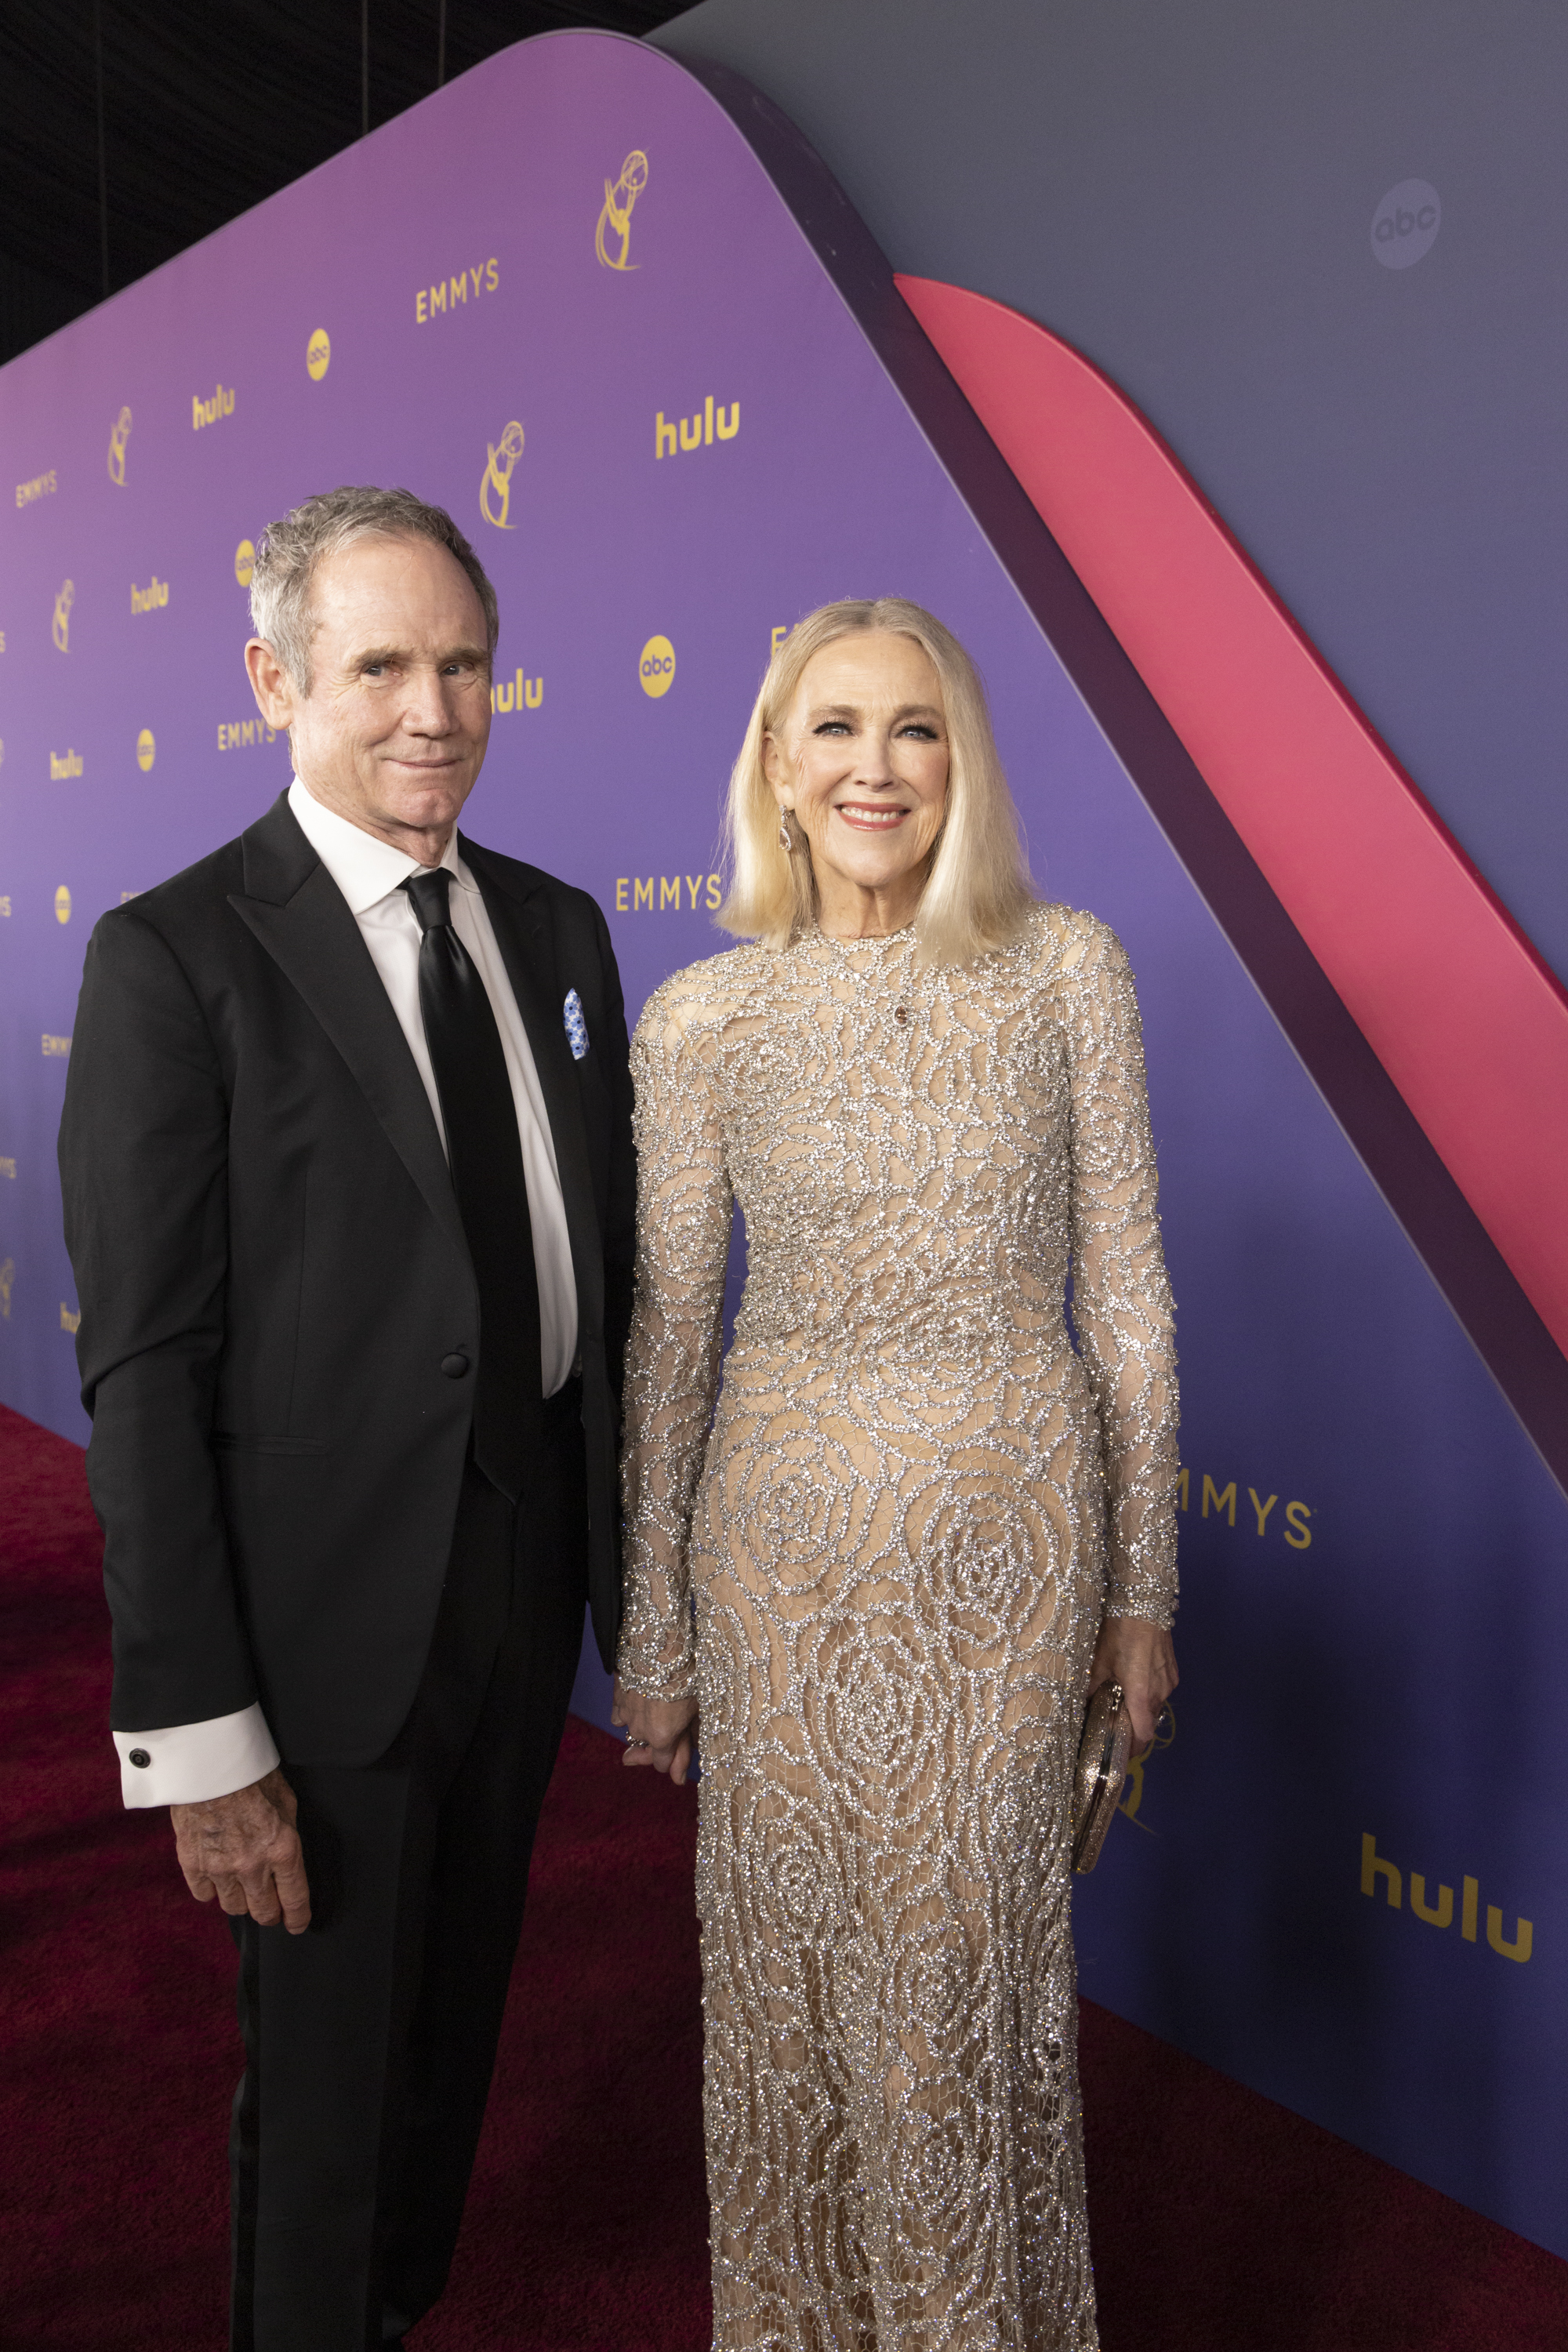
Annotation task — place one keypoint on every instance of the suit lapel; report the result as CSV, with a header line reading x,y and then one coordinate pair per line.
x,y
299,916
525,936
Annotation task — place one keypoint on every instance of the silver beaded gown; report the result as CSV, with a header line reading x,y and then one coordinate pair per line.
x,y
901,1531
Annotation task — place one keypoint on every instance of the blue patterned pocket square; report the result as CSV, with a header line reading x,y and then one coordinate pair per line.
x,y
576,1027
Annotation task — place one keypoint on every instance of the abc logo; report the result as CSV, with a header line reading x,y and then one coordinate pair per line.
x,y
244,562
1406,223
145,749
62,905
656,666
319,354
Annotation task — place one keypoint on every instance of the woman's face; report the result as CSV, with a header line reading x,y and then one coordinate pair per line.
x,y
862,759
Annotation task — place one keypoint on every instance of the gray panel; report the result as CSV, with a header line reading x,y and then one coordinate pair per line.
x,y
1187,194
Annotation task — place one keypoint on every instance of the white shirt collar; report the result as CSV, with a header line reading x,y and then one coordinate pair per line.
x,y
365,868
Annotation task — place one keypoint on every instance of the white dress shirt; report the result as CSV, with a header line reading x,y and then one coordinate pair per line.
x,y
188,1763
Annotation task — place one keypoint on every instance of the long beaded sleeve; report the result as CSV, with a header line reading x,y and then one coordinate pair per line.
x,y
1122,1298
684,1214
892,1530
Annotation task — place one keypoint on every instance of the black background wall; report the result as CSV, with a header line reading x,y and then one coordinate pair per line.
x,y
206,107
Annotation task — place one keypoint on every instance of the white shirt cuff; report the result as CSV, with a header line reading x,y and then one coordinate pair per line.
x,y
190,1763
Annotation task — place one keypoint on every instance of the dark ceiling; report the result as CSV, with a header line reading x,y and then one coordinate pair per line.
x,y
206,107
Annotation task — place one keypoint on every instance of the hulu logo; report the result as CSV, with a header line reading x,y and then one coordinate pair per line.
x,y
517,693
696,432
1440,1914
207,412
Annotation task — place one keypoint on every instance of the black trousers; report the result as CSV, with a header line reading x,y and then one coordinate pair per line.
x,y
370,2039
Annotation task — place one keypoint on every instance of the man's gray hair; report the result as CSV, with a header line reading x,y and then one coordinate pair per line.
x,y
288,552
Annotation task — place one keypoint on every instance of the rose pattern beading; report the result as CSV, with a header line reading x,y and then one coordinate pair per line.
x,y
881,1565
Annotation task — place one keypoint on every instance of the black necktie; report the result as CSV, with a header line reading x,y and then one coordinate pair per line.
x,y
486,1157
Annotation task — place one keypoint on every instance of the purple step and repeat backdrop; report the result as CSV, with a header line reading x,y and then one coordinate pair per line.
x,y
562,298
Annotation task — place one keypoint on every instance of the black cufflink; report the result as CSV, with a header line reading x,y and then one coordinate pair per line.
x,y
139,1757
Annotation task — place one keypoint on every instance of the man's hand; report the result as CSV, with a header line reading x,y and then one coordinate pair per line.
x,y
245,1849
1139,1655
659,1731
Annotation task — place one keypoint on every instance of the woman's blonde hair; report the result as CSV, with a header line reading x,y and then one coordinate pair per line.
x,y
978,889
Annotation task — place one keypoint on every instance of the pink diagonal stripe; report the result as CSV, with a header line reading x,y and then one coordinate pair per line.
x,y
1465,1018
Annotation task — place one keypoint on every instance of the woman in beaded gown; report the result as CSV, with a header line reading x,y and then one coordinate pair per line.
x,y
921,1527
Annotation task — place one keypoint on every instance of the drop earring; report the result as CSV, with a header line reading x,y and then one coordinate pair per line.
x,y
785,843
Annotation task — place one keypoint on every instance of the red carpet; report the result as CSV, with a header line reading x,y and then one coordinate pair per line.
x,y
1222,2223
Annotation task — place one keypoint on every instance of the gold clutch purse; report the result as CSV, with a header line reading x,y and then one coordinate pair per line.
x,y
1102,1755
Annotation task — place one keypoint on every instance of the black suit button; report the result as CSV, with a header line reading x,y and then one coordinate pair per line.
x,y
139,1757
454,1366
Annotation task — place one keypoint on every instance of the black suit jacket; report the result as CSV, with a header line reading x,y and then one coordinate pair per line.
x,y
271,1268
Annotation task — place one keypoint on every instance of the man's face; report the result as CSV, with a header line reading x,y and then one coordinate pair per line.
x,y
392,732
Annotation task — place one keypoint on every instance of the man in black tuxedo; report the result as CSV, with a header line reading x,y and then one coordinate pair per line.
x,y
349,1186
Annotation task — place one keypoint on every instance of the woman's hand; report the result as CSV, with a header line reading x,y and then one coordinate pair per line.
x,y
659,1731
1140,1656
